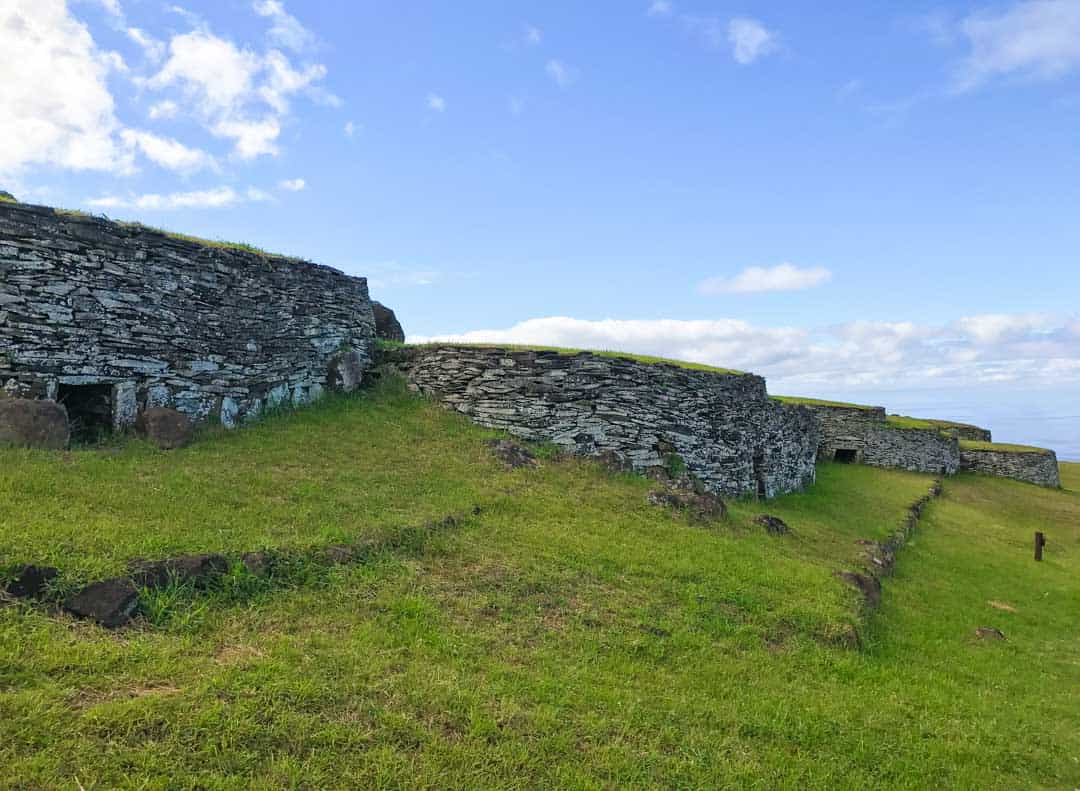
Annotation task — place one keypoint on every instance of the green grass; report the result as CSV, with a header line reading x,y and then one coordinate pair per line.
x,y
1001,447
5,198
641,358
1070,475
569,636
818,402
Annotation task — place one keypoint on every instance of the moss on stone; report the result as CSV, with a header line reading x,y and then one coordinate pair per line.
x,y
1000,447
820,402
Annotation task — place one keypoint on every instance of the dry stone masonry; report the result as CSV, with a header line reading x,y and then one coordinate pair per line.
x,y
863,435
111,319
722,426
1032,465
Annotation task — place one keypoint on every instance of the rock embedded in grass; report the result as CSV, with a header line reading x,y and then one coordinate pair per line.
x,y
109,602
187,568
774,525
26,423
169,429
512,454
31,582
868,585
989,633
701,507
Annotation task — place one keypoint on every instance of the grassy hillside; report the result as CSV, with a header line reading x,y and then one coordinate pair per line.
x,y
568,635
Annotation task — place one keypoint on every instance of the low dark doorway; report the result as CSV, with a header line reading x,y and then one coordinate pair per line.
x,y
90,410
846,455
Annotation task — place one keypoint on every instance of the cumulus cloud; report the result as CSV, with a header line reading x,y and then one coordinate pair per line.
x,y
660,8
152,48
236,93
533,35
757,279
163,110
216,198
292,185
436,102
1035,349
168,153
1035,39
749,39
351,128
562,73
55,105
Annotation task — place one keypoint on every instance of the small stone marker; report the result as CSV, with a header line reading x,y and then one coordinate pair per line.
x,y
1040,542
989,633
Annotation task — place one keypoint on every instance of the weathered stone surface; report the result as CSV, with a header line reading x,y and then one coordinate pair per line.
x,y
33,424
31,582
865,436
174,323
701,507
188,568
345,371
774,525
512,454
1038,468
169,429
387,326
724,428
109,603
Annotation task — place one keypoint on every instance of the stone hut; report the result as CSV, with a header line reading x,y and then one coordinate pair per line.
x,y
110,318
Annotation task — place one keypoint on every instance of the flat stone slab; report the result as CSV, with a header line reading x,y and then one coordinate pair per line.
x,y
109,603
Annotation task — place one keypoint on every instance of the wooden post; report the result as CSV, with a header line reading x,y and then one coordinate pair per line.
x,y
1040,542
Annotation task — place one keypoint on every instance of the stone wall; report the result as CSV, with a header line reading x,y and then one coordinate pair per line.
x,y
1040,468
137,318
863,435
723,427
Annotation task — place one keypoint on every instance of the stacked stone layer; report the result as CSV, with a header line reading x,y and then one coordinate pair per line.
x,y
723,427
211,331
1038,468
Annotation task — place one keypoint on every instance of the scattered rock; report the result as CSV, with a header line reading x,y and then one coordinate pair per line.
x,y
867,585
387,326
1000,605
169,429
189,568
31,582
774,525
989,633
258,563
617,463
701,507
27,423
338,554
512,454
109,603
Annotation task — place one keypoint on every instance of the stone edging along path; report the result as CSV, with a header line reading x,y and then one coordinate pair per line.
x,y
114,602
879,557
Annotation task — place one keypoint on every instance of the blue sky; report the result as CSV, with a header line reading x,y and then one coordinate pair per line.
x,y
874,201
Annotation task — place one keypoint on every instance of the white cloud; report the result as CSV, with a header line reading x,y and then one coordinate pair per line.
x,y
1036,349
749,39
152,48
1035,39
236,93
533,35
286,30
436,102
167,153
660,8
111,7
516,106
351,128
391,274
219,197
563,74
757,279
292,185
55,105
163,110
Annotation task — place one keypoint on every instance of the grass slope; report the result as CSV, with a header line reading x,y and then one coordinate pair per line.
x,y
570,636
1002,447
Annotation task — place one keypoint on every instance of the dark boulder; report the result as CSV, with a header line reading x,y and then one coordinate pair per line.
x,y
512,454
33,424
774,525
387,327
188,568
109,603
169,429
31,582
